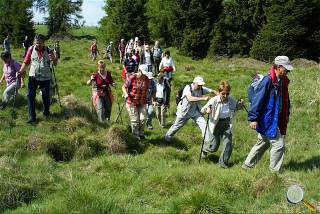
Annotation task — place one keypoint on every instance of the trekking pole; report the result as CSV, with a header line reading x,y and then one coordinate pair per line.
x,y
14,102
119,114
56,84
243,105
204,136
119,108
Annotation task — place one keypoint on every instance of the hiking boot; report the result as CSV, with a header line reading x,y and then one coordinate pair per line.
x,y
224,166
31,120
245,167
167,139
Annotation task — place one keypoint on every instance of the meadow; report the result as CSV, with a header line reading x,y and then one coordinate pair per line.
x,y
66,164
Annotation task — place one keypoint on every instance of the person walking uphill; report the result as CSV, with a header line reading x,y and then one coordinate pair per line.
x,y
189,108
167,65
162,99
135,90
10,68
101,92
269,114
222,109
39,57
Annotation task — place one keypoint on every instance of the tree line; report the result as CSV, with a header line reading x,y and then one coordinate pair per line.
x,y
261,29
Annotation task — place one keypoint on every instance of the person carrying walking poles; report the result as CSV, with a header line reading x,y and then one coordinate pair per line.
x,y
221,109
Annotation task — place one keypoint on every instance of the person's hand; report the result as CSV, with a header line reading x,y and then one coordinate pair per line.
x,y
51,56
241,102
253,125
18,74
208,110
215,92
206,98
114,84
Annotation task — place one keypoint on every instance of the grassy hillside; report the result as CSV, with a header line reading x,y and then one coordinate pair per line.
x,y
63,165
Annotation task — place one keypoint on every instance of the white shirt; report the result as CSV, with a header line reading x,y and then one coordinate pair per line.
x,y
159,93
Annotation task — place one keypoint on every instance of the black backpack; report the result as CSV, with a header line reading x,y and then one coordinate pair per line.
x,y
180,92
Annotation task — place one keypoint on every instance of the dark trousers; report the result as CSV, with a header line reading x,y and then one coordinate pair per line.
x,y
44,86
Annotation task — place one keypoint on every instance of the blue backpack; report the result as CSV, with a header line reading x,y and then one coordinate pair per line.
x,y
253,86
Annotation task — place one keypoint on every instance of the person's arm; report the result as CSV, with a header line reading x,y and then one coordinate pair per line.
x,y
2,78
124,91
207,108
209,90
53,58
187,93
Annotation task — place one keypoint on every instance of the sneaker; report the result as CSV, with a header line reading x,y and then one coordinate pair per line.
x,y
245,167
167,139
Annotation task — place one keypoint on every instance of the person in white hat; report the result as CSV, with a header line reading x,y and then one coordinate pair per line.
x,y
109,51
135,90
269,114
189,108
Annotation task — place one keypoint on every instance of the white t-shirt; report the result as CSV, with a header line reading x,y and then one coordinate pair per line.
x,y
159,93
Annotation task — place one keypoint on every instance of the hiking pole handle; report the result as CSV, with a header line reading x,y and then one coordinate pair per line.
x,y
205,132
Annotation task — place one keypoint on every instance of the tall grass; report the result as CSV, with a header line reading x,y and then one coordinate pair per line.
x,y
63,165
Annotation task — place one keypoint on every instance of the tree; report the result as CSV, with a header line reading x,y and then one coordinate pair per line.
x,y
237,27
125,19
63,14
292,29
16,20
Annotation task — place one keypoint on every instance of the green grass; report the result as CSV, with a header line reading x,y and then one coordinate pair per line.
x,y
62,165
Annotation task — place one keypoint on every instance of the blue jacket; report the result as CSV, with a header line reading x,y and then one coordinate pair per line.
x,y
264,108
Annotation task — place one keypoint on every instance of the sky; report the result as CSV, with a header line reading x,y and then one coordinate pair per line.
x,y
92,12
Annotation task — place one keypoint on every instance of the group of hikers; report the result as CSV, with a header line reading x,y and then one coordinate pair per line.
x,y
147,85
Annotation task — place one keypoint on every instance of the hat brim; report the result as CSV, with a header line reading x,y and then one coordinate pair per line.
x,y
201,83
288,67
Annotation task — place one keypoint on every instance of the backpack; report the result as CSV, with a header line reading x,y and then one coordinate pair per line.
x,y
255,81
180,92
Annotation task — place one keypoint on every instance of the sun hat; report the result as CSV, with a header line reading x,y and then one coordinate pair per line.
x,y
144,69
198,80
150,75
284,61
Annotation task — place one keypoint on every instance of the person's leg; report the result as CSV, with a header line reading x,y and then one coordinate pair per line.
x,y
257,151
142,110
149,116
178,123
158,112
227,147
8,93
277,152
32,87
202,123
45,91
108,106
133,114
100,109
164,109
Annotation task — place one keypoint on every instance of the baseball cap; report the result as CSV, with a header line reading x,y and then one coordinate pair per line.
x,y
144,69
150,75
198,80
284,61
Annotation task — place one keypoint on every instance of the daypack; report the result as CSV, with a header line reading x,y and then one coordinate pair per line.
x,y
255,81
180,92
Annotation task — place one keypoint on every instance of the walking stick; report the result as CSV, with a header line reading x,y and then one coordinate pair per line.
x,y
243,105
14,102
119,114
204,136
119,109
56,84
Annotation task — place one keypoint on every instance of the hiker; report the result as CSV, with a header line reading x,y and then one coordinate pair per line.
x,y
189,107
269,115
135,91
94,50
136,45
129,65
101,92
147,57
150,99
25,44
122,49
129,47
10,68
136,57
39,57
162,99
6,44
222,109
56,49
109,51
157,54
167,65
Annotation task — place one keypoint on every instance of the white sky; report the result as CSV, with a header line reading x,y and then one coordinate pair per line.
x,y
92,12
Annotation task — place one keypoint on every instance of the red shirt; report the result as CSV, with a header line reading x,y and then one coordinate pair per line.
x,y
102,84
137,89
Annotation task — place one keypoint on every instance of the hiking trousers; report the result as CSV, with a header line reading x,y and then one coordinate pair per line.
x,y
9,92
222,132
103,108
276,152
161,113
180,121
149,114
137,116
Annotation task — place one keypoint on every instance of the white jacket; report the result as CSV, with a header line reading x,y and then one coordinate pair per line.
x,y
216,105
